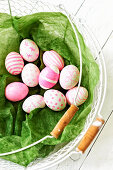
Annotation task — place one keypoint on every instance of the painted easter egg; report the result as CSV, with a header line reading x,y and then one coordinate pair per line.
x,y
53,58
29,50
33,102
48,77
30,75
55,100
16,91
14,63
81,97
69,77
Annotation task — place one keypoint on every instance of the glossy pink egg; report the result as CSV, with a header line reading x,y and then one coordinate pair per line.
x,y
53,58
14,63
16,91
48,77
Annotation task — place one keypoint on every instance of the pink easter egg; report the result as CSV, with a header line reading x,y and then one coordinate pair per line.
x,y
16,91
53,58
30,75
14,63
55,100
33,102
29,50
69,77
81,97
48,77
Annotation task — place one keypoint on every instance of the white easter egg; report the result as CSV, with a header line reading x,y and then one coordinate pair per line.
x,y
33,102
81,97
55,100
30,75
29,50
69,77
53,58
14,63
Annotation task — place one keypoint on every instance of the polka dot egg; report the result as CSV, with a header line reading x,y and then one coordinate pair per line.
x,y
69,77
53,58
55,100
14,63
30,75
48,77
33,102
29,50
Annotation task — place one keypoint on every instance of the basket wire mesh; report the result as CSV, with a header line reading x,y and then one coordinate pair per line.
x,y
61,152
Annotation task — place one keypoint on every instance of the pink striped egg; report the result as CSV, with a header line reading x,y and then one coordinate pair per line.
x,y
33,102
81,97
30,75
16,91
29,50
53,58
14,63
48,77
69,77
55,100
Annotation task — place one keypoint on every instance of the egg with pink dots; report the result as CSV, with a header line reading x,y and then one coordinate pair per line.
x,y
29,50
30,75
69,77
55,100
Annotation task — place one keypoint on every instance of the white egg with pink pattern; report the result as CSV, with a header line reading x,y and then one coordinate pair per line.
x,y
55,100
33,102
81,97
14,63
48,77
29,50
69,77
30,75
53,58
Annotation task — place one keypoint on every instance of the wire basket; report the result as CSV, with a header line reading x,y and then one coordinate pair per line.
x,y
61,152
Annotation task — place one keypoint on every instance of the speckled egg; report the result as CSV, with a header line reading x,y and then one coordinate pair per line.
x,y
16,91
14,63
53,58
48,77
29,50
55,100
33,102
30,75
69,77
81,98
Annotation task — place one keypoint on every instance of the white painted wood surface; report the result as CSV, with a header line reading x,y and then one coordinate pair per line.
x,y
99,16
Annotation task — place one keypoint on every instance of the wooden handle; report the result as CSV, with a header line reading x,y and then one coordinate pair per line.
x,y
90,135
65,119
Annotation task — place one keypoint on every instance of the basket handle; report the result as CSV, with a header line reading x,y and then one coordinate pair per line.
x,y
65,119
90,134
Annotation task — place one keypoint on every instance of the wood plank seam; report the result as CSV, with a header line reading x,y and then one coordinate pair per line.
x,y
79,8
96,139
107,39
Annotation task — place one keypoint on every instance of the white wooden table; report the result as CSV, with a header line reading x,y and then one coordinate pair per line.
x,y
99,16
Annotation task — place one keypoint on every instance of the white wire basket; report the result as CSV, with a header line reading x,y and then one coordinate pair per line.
x,y
61,152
